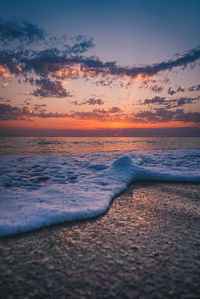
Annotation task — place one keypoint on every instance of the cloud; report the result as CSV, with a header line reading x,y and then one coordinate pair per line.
x,y
42,108
156,88
74,67
27,33
5,84
155,100
198,87
11,31
21,54
82,44
162,115
150,70
184,100
98,114
105,81
93,101
194,87
47,63
110,110
9,112
159,115
62,60
172,91
180,89
90,115
90,101
3,73
48,89
169,103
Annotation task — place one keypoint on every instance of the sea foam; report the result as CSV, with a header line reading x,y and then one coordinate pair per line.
x,y
37,191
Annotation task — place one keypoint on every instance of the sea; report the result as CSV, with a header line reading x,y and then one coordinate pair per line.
x,y
50,180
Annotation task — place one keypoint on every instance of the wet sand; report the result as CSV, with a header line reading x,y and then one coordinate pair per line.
x,y
146,246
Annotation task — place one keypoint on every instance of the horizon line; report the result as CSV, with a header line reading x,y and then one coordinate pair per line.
x,y
109,132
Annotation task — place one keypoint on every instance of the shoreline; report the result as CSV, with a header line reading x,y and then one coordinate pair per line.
x,y
146,245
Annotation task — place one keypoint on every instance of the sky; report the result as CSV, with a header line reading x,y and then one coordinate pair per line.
x,y
121,67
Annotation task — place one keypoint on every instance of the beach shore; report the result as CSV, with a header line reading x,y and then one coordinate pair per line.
x,y
146,246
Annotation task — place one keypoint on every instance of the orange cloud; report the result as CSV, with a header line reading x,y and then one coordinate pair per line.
x,y
79,71
19,68
64,73
6,75
3,72
2,69
141,77
5,84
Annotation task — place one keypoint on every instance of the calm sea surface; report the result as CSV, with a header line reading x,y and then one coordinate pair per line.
x,y
61,145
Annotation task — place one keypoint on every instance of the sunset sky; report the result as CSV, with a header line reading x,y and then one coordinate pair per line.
x,y
84,67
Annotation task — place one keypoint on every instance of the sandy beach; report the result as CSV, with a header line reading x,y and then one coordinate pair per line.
x,y
146,246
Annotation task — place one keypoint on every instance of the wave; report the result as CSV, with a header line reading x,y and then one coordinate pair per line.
x,y
38,191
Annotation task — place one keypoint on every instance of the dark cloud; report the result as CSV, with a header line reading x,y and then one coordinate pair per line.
x,y
48,89
20,57
90,101
194,87
45,64
75,102
81,45
93,101
156,88
9,112
160,115
89,115
169,103
180,89
114,110
55,63
163,115
171,91
151,70
110,110
54,59
155,100
184,100
105,82
11,31
97,114
40,108
28,33
61,60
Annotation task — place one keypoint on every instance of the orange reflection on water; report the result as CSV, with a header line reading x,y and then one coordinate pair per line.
x,y
58,145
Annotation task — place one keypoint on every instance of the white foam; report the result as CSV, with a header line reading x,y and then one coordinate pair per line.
x,y
40,190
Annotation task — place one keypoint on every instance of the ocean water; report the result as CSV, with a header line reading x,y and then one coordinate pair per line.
x,y
50,180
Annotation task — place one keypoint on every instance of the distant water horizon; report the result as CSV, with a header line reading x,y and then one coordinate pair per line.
x,y
186,131
61,145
